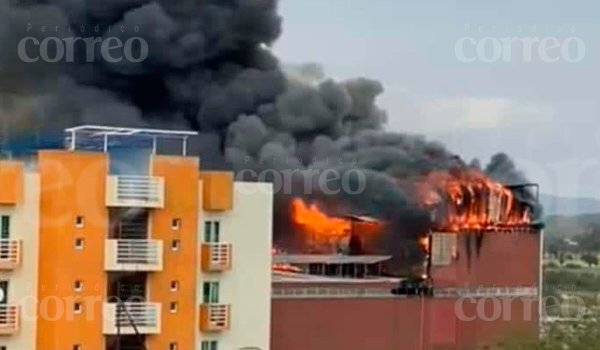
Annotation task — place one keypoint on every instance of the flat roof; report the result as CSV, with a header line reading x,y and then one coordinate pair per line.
x,y
104,137
101,130
303,259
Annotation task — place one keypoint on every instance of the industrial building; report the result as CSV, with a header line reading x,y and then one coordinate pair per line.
x,y
111,245
482,288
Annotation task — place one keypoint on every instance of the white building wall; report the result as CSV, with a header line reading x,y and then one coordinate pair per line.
x,y
22,286
247,286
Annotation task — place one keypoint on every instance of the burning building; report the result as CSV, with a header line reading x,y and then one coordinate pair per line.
x,y
479,281
209,69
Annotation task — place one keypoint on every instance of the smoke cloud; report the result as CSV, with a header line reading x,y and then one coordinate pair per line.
x,y
209,68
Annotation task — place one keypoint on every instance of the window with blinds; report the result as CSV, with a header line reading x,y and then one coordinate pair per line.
x,y
443,248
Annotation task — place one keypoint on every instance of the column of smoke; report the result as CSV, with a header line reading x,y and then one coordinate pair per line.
x,y
210,69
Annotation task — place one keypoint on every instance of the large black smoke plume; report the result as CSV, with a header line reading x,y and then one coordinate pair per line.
x,y
209,68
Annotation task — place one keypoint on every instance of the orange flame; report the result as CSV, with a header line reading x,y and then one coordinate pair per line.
x,y
323,229
319,224
283,267
475,202
424,243
286,268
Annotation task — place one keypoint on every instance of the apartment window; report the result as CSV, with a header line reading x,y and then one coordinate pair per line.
x,y
3,293
443,248
210,293
5,227
209,345
175,245
4,234
78,286
79,243
173,346
173,306
174,286
78,308
79,221
212,231
176,224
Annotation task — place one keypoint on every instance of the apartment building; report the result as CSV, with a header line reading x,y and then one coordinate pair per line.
x,y
109,244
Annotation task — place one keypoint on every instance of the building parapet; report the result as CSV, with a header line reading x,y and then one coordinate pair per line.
x,y
381,292
530,292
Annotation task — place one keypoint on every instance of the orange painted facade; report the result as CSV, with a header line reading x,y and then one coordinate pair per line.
x,y
217,190
181,203
73,184
11,182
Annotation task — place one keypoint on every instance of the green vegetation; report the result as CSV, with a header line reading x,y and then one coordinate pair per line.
x,y
571,274
580,335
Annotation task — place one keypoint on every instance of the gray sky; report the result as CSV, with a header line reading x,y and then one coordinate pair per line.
x,y
545,115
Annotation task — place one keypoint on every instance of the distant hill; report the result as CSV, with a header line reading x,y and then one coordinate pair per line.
x,y
554,205
569,226
569,217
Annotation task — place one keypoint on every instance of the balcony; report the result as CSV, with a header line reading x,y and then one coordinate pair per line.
x,y
133,255
131,318
135,191
10,317
214,317
10,254
216,257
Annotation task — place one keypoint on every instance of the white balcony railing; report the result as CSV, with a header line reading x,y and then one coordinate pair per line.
x,y
216,257
10,254
131,318
133,255
10,316
214,317
135,191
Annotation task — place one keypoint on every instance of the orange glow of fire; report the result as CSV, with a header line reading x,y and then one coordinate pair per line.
x,y
424,243
286,268
321,228
312,219
475,202
283,267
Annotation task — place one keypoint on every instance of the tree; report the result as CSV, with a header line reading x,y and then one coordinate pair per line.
x,y
590,259
577,335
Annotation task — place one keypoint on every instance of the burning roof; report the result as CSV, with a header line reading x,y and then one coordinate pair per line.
x,y
321,230
471,201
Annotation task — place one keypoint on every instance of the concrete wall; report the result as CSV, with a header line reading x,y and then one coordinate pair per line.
x,y
498,259
247,286
395,323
